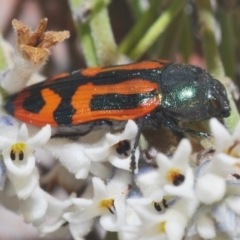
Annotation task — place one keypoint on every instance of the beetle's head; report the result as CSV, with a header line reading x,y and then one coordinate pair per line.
x,y
218,104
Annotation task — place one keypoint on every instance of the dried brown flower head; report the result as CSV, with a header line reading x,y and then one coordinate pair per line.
x,y
34,46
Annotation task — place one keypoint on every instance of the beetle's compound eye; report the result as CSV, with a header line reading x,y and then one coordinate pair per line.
x,y
217,100
214,103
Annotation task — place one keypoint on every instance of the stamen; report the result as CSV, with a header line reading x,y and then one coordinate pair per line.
x,y
122,147
17,149
161,227
109,204
231,150
174,175
12,155
157,206
21,156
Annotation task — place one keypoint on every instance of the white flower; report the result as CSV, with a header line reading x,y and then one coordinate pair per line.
x,y
169,225
219,218
226,159
71,156
34,203
206,226
211,185
61,228
173,176
210,188
223,200
19,159
224,141
115,148
40,205
108,202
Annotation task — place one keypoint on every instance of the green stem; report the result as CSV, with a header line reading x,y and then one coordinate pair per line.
x,y
236,26
111,236
212,56
156,29
136,9
170,38
209,46
3,61
186,40
103,38
3,64
84,35
87,44
227,48
138,30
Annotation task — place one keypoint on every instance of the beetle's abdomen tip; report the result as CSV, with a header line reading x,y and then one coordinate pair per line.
x,y
9,106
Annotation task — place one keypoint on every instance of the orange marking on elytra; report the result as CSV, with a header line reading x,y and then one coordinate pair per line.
x,y
82,98
90,72
45,116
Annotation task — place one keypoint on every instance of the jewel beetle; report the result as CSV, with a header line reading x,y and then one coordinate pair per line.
x,y
153,93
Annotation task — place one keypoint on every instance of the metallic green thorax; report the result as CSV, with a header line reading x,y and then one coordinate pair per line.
x,y
189,93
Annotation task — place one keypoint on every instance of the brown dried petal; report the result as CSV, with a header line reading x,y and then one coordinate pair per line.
x,y
38,35
36,55
34,45
23,32
52,38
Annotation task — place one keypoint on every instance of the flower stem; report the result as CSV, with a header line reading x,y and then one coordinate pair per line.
x,y
102,35
87,44
227,44
186,40
170,38
156,29
212,56
138,30
3,61
3,64
110,236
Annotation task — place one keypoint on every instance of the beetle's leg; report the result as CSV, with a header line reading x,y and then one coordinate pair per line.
x,y
172,125
133,158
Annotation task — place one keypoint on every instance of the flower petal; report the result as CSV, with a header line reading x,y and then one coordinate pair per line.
x,y
19,171
24,186
34,207
51,228
128,133
182,154
5,143
124,163
221,134
71,156
163,162
99,188
175,227
114,222
40,138
78,231
185,189
233,203
206,226
210,188
22,133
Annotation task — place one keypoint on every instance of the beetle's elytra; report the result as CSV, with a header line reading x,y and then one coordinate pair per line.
x,y
162,93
